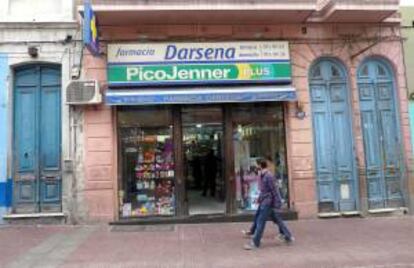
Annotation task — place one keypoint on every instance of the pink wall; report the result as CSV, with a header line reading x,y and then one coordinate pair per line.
x,y
320,40
100,158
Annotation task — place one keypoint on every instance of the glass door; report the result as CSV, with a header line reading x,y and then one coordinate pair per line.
x,y
202,134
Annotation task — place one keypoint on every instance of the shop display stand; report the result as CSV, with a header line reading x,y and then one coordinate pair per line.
x,y
154,180
153,173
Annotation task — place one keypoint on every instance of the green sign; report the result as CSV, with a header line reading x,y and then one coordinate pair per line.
x,y
147,64
199,73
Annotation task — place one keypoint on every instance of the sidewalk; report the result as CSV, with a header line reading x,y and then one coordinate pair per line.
x,y
353,242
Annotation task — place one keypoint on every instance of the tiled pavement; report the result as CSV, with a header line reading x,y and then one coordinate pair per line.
x,y
352,242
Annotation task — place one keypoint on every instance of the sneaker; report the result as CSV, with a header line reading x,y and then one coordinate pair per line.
x,y
283,239
290,240
250,246
247,234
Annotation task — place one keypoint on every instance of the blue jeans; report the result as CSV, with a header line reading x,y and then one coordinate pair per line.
x,y
264,212
275,218
254,225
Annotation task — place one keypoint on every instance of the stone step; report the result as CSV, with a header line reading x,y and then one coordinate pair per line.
x,y
35,218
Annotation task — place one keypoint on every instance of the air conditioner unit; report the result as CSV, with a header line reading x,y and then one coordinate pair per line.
x,y
83,92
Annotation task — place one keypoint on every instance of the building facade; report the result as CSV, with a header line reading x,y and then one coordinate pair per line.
x,y
407,25
339,135
37,51
195,93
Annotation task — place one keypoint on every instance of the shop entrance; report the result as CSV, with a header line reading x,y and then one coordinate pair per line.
x,y
202,140
182,160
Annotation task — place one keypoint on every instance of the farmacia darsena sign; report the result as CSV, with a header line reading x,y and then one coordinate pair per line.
x,y
148,64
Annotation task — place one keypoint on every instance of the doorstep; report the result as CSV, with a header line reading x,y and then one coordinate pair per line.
x,y
33,215
400,210
195,219
329,214
35,218
353,213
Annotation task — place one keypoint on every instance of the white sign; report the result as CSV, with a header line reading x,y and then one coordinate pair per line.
x,y
198,52
345,193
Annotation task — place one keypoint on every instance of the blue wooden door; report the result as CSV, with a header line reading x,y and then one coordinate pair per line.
x,y
333,140
381,135
37,139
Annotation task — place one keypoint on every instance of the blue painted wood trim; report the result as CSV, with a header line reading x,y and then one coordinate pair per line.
x,y
4,126
411,110
6,193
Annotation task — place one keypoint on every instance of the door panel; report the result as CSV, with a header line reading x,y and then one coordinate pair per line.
x,y
326,191
50,182
381,135
323,142
333,138
372,156
37,139
50,119
324,161
50,193
25,112
342,150
25,142
25,195
50,122
372,149
345,191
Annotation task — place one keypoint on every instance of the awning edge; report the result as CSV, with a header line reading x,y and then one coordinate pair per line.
x,y
200,95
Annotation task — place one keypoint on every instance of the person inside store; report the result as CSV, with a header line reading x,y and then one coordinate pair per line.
x,y
270,202
196,164
211,172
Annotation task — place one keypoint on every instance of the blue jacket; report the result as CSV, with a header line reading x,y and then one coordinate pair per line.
x,y
269,194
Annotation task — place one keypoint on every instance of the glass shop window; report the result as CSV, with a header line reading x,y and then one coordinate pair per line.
x,y
258,132
146,159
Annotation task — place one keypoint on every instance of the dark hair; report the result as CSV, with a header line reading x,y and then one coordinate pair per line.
x,y
263,163
269,158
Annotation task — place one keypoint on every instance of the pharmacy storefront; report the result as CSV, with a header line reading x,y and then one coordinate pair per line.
x,y
192,119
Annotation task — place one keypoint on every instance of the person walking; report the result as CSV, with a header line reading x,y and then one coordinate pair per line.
x,y
270,168
269,201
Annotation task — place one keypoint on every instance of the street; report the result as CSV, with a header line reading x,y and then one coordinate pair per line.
x,y
344,242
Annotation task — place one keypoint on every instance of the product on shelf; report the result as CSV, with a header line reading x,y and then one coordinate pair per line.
x,y
154,178
126,209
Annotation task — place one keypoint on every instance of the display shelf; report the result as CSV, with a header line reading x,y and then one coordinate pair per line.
x,y
141,190
154,179
152,162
